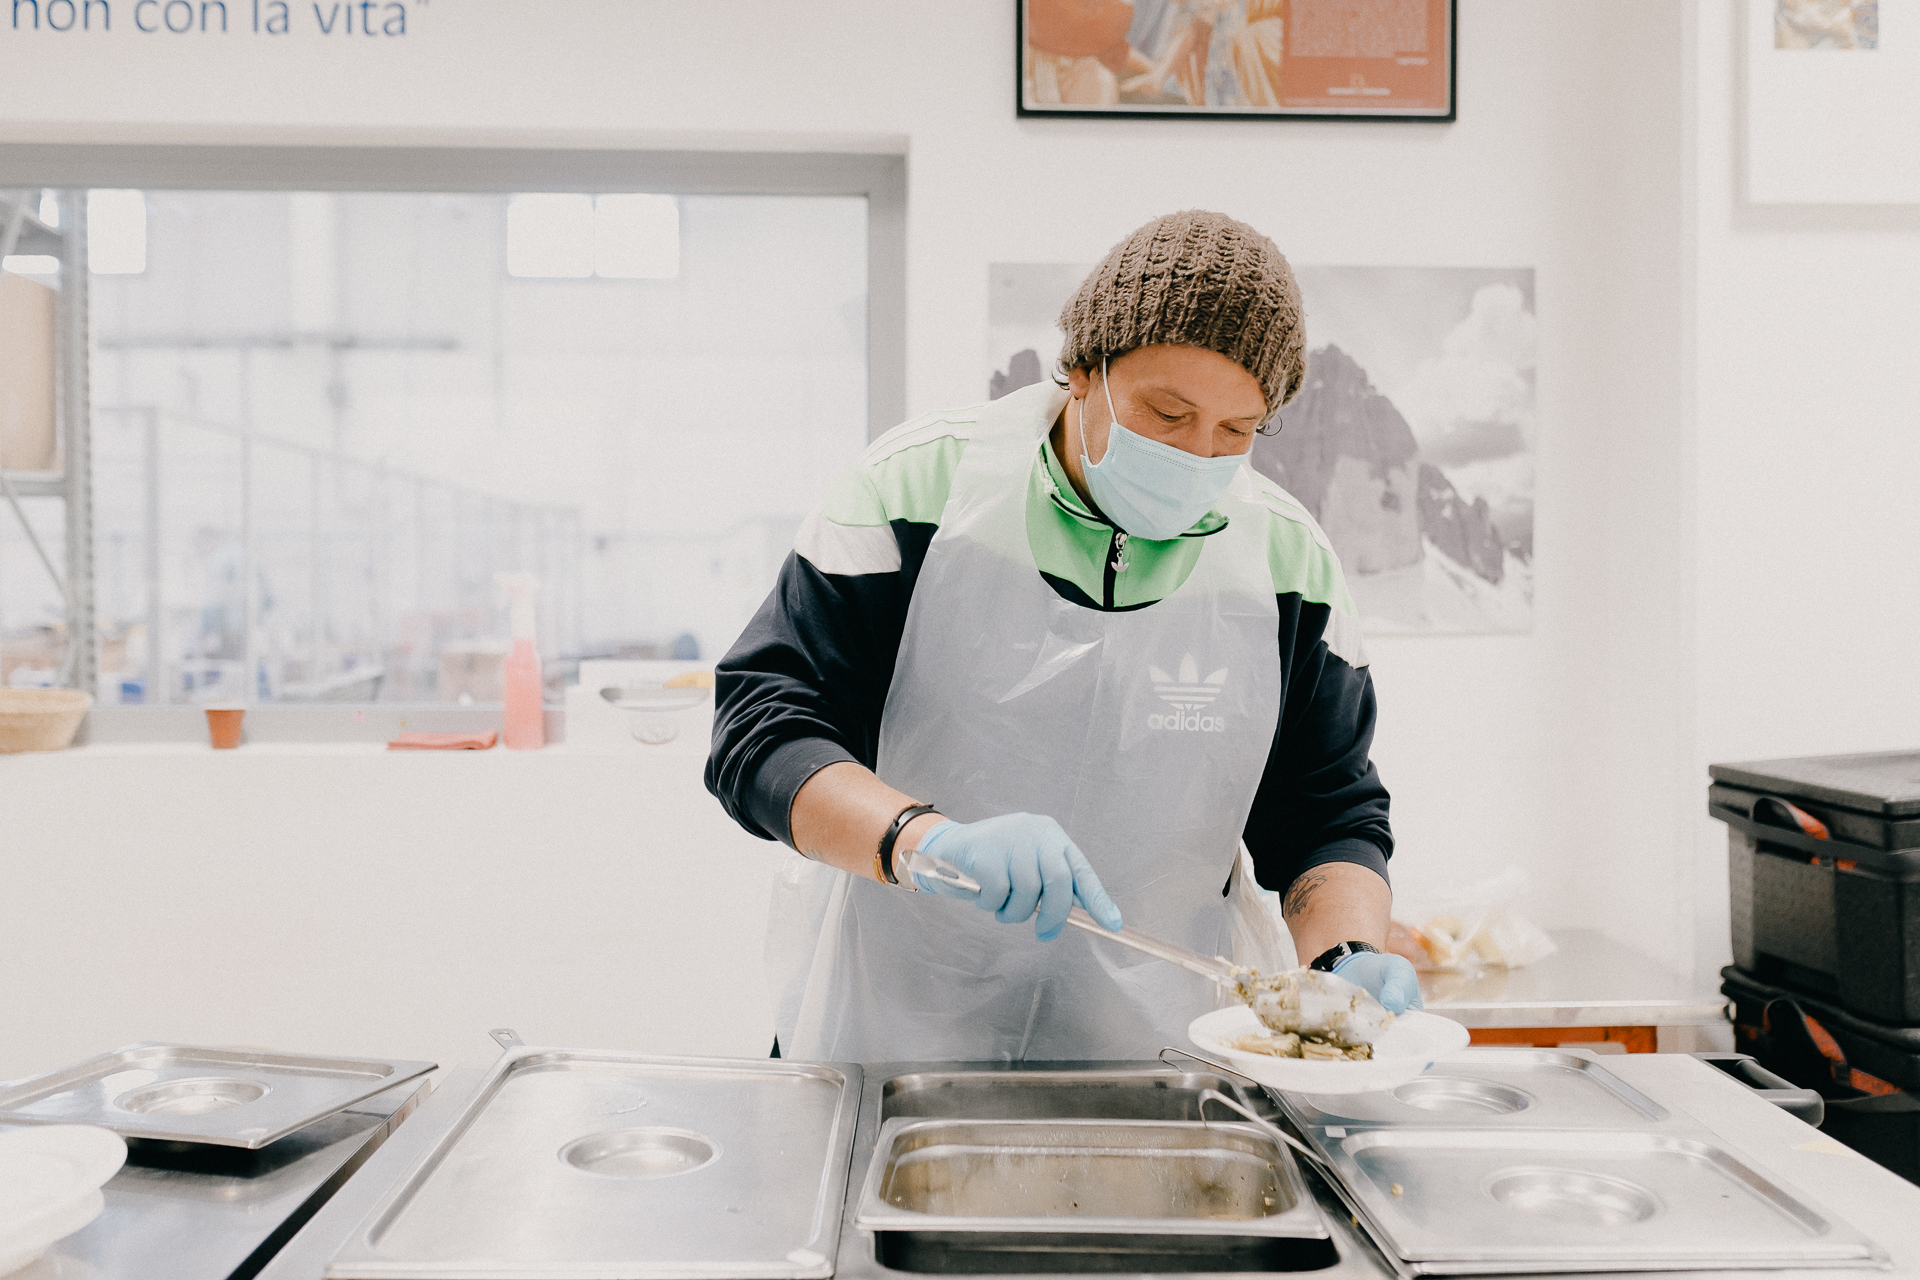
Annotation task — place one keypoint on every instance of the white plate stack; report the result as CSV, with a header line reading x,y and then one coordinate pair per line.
x,y
50,1180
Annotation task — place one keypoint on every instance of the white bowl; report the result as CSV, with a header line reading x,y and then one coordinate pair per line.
x,y
653,709
1409,1047
41,719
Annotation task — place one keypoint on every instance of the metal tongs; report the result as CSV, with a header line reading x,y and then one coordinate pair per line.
x,y
1311,1000
1210,967
1213,968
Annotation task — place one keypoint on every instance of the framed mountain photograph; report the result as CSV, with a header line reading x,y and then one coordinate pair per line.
x,y
1258,59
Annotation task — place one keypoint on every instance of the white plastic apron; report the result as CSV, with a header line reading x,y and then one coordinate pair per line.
x,y
1144,733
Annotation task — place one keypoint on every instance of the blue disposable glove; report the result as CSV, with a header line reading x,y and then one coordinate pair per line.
x,y
1025,866
1390,979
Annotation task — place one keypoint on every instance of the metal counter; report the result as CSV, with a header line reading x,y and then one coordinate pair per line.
x,y
219,1214
1872,1199
1589,980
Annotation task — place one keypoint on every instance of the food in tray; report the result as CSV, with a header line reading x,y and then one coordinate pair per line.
x,y
1310,1014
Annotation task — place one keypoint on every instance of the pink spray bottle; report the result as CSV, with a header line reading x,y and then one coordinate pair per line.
x,y
524,728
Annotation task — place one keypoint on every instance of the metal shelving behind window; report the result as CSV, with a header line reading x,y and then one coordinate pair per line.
x,y
285,547
24,234
98,505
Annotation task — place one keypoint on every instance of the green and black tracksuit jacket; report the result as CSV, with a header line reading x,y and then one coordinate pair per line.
x,y
805,684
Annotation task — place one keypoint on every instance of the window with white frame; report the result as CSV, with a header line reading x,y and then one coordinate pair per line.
x,y
322,423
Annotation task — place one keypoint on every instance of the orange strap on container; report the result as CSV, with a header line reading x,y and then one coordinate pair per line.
x,y
1842,1073
1829,1048
1770,806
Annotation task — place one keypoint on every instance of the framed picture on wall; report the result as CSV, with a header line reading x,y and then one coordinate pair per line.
x,y
1253,59
1831,115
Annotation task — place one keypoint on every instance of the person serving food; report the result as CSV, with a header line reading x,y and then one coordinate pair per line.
x,y
1071,644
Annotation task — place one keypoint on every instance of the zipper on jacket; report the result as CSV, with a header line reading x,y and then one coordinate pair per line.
x,y
1117,562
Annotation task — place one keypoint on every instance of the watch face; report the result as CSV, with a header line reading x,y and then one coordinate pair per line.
x,y
1333,955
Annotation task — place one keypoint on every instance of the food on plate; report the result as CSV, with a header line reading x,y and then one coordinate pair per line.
x,y
1278,1046
1293,1046
1310,1014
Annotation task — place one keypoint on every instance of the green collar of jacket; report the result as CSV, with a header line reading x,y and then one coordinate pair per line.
x,y
1061,493
1083,552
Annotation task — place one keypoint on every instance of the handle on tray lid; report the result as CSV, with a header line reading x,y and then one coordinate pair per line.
x,y
1221,1067
507,1038
1801,1104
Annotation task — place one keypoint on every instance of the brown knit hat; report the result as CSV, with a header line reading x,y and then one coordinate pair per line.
x,y
1198,279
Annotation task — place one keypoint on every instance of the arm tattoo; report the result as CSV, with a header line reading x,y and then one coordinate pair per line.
x,y
1301,893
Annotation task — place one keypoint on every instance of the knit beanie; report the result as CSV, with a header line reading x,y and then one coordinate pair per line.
x,y
1197,279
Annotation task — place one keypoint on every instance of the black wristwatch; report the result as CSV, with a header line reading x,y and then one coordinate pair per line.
x,y
1332,956
883,856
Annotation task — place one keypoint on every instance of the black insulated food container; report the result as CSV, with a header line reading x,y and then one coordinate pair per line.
x,y
1824,875
1867,1072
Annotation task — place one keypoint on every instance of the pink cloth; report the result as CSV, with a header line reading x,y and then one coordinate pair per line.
x,y
444,741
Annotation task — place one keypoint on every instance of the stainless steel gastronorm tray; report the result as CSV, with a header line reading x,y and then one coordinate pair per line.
x,y
1031,1194
1487,1088
1093,1177
179,1093
577,1165
1453,1200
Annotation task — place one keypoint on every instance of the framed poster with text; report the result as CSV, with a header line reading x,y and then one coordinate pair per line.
x,y
1257,59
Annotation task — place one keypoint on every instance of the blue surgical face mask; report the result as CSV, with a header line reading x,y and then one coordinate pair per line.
x,y
1151,490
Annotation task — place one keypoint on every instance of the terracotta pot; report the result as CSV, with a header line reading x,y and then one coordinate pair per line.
x,y
223,726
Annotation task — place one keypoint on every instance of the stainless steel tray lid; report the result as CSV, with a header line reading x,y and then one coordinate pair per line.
x,y
1596,1199
1522,1088
184,1093
1532,1160
578,1165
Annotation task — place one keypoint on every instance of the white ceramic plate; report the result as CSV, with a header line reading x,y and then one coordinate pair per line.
x,y
50,1179
23,1245
1410,1046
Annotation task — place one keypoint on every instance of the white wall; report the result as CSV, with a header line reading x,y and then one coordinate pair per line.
x,y
1567,751
346,900
1806,462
